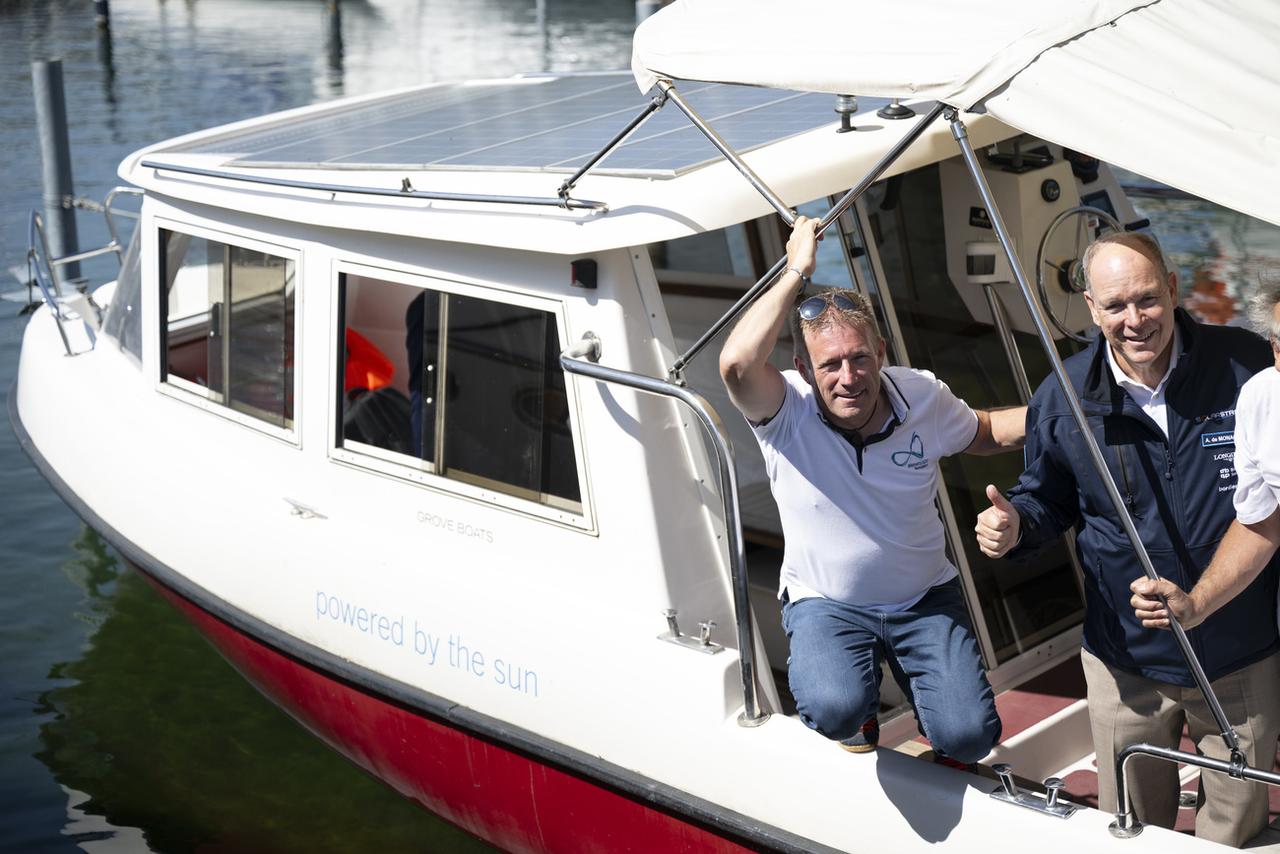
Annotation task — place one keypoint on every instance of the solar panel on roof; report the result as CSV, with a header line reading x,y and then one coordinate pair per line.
x,y
551,124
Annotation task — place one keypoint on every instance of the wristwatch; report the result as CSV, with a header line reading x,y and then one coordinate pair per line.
x,y
803,278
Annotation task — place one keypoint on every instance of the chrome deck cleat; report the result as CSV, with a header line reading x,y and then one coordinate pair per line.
x,y
1049,804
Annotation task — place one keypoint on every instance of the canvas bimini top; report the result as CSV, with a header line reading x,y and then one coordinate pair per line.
x,y
523,137
1182,91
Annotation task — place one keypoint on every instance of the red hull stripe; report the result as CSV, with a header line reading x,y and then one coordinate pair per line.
x,y
515,802
522,792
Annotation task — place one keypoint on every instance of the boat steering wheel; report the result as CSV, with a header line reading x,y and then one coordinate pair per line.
x,y
1069,272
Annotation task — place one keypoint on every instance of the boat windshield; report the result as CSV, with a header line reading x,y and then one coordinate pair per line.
x,y
123,321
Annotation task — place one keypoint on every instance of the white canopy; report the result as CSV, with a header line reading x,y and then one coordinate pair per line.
x,y
1183,91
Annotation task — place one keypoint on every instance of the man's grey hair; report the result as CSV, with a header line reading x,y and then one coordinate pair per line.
x,y
1138,241
861,317
1262,306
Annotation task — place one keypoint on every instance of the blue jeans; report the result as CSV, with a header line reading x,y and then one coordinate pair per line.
x,y
834,669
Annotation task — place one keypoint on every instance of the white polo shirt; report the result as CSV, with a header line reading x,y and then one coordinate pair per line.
x,y
1150,400
1257,438
863,528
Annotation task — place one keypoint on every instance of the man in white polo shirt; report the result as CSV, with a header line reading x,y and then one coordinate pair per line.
x,y
1254,536
851,448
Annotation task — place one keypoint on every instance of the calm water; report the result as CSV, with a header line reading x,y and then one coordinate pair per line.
x,y
120,729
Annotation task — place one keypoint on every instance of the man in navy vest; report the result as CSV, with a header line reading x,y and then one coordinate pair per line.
x,y
1159,391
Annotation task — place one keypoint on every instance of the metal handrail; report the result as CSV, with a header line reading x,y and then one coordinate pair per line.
x,y
88,253
1004,331
45,269
107,212
405,191
44,273
571,361
1127,825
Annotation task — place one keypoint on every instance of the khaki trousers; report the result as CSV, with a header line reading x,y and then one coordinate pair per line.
x,y
1125,709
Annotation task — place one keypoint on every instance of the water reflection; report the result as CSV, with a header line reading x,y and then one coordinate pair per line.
x,y
333,46
106,58
1220,255
149,730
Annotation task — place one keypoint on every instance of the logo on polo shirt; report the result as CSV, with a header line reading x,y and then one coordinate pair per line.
x,y
912,458
1213,440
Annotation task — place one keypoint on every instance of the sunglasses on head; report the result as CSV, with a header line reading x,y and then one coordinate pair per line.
x,y
815,306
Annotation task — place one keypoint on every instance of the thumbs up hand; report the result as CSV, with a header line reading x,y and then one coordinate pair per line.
x,y
998,525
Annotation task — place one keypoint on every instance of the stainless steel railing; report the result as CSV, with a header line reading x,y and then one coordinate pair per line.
x,y
406,190
581,360
1127,824
45,270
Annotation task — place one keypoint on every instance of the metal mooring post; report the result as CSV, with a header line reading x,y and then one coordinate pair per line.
x,y
101,14
55,152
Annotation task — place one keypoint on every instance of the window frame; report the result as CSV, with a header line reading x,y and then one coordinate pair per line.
x,y
423,472
195,395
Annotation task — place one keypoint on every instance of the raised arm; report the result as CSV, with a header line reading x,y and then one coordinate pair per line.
x,y
999,430
755,386
1243,553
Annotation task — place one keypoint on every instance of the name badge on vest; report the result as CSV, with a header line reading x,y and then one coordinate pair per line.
x,y
1213,440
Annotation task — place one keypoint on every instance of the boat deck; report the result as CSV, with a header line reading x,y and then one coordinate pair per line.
x,y
1059,688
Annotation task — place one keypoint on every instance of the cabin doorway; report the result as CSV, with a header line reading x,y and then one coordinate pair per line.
x,y
892,247
1028,617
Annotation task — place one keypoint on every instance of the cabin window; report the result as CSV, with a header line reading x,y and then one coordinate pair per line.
x,y
228,332
457,386
727,259
732,252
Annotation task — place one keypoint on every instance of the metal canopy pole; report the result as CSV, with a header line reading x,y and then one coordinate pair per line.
x,y
580,359
1046,339
846,201
653,106
668,89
